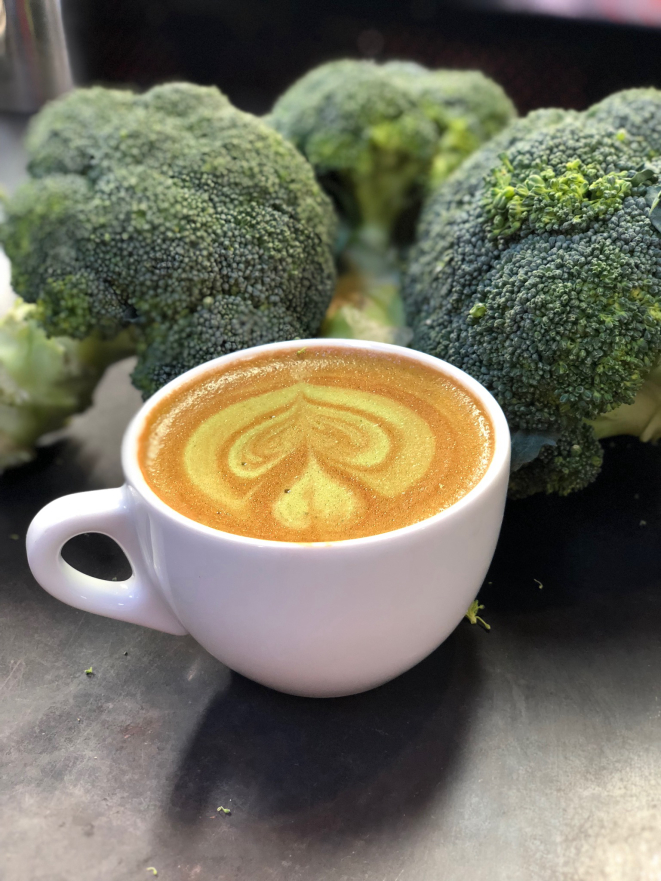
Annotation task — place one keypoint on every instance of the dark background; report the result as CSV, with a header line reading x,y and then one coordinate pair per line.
x,y
253,49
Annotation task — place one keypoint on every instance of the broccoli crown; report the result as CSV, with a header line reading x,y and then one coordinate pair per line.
x,y
375,133
537,270
176,213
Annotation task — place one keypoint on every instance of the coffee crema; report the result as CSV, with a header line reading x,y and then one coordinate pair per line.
x,y
316,444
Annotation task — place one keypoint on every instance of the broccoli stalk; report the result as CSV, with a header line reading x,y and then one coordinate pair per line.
x,y
378,137
367,303
44,381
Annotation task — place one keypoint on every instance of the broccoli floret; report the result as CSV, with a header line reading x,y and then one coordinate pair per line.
x,y
467,107
176,214
374,133
537,269
44,381
378,136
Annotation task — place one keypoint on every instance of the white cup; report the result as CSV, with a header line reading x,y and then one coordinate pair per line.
x,y
323,619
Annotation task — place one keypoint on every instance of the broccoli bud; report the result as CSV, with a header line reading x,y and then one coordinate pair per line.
x,y
642,418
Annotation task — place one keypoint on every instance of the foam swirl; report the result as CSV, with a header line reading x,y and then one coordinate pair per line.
x,y
313,451
315,444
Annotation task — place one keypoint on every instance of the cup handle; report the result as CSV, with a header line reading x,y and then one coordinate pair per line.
x,y
138,599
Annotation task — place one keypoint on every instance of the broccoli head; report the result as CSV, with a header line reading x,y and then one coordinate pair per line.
x,y
537,269
378,137
376,133
176,214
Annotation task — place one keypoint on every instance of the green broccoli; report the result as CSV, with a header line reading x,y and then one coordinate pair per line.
x,y
44,381
375,133
378,136
467,107
537,269
172,213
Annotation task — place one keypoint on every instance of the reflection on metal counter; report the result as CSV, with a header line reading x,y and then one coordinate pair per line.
x,y
34,60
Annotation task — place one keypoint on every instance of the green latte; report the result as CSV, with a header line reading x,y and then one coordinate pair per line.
x,y
319,444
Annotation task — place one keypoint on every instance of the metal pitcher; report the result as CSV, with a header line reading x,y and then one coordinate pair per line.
x,y
34,61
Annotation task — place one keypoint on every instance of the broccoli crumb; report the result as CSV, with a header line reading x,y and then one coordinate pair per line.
x,y
223,810
473,617
89,672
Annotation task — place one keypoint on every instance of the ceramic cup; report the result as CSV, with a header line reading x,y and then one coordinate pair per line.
x,y
321,619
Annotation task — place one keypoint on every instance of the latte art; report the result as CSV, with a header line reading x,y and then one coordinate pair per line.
x,y
319,450
317,445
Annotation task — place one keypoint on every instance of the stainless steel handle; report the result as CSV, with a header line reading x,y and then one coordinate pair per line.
x,y
3,29
34,61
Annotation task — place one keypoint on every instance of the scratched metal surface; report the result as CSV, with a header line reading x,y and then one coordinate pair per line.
x,y
529,753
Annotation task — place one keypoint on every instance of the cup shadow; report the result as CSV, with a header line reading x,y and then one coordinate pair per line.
x,y
342,764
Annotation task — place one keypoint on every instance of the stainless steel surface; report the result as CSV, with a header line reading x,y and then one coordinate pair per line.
x,y
34,61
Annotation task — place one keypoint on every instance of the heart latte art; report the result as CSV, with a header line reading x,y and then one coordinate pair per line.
x,y
323,450
316,445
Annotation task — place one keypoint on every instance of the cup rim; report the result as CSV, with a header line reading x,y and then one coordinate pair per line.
x,y
499,459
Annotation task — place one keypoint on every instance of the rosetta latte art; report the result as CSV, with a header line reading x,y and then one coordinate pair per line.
x,y
343,444
315,444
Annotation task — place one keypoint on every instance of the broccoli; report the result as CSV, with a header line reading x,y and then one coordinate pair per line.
x,y
175,214
537,269
375,133
44,381
378,136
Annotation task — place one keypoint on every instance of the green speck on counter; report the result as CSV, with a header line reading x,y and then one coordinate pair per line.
x,y
89,672
14,536
538,583
152,870
473,617
224,810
